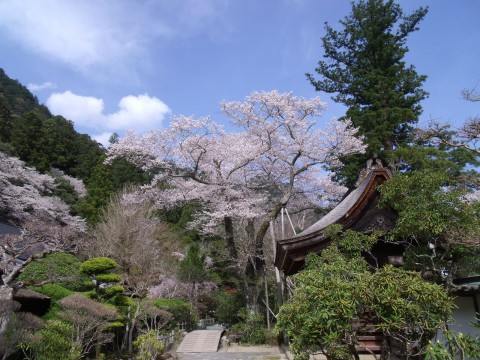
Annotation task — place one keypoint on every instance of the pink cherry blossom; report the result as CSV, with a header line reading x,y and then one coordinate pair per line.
x,y
273,152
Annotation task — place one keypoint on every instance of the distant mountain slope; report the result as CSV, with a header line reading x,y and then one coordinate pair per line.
x,y
18,98
30,132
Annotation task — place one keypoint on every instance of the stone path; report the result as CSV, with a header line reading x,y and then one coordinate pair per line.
x,y
237,352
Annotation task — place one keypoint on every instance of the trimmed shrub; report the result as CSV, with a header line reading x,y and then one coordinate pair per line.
x,y
54,291
108,278
59,268
97,265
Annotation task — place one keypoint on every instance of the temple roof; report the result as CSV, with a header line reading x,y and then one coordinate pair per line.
x,y
357,211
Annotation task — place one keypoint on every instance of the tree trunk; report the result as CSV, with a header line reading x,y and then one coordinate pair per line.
x,y
229,237
262,231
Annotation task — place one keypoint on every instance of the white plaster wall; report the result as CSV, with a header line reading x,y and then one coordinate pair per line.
x,y
464,315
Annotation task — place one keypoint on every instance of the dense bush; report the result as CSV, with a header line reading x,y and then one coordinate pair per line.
x,y
59,268
149,348
56,293
180,309
97,265
104,282
53,341
253,330
227,307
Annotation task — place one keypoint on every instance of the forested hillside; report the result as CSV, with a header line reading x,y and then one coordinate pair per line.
x,y
49,143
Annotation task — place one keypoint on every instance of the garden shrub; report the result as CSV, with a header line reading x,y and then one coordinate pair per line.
x,y
105,283
227,307
56,293
53,341
180,309
59,268
53,291
97,265
149,348
253,330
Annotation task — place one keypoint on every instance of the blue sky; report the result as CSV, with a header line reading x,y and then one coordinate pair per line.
x,y
114,65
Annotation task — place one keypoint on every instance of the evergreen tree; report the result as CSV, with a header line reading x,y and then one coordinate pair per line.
x,y
6,122
28,141
59,142
19,99
99,190
366,70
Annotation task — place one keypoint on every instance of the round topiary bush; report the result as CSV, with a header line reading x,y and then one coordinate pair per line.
x,y
97,265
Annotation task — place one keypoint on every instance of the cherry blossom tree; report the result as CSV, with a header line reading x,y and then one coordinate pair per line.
x,y
274,153
45,222
26,195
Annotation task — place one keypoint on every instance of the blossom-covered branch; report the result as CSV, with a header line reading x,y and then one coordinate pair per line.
x,y
275,152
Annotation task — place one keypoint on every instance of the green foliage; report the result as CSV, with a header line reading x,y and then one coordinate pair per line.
x,y
455,346
352,244
337,294
113,290
18,98
28,142
98,265
52,342
108,278
432,158
99,191
252,328
148,347
227,307
58,141
104,181
438,227
406,306
192,268
59,268
54,291
104,282
180,309
364,66
64,190
6,121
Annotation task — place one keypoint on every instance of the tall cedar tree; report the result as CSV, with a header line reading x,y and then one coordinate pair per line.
x,y
364,67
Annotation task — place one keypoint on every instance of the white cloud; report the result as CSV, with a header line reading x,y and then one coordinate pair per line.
x,y
103,138
141,113
84,34
84,111
43,86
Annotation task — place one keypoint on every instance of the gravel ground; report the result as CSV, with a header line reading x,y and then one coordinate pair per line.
x,y
237,352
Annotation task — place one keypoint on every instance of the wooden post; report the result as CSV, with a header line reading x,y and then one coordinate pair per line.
x,y
277,273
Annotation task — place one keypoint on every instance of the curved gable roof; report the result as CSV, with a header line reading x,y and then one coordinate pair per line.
x,y
291,252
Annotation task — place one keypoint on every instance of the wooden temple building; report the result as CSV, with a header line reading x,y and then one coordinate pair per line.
x,y
357,211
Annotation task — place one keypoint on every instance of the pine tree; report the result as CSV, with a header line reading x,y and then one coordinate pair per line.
x,y
366,71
